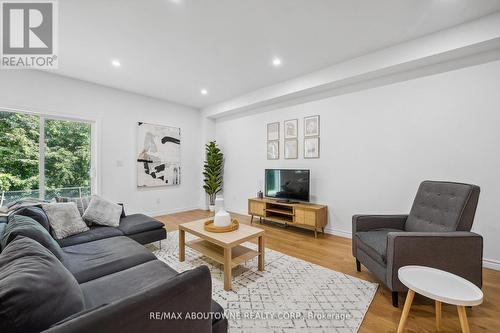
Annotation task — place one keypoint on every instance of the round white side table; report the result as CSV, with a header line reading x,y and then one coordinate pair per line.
x,y
441,286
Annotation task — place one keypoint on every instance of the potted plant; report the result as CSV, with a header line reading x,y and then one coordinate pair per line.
x,y
212,171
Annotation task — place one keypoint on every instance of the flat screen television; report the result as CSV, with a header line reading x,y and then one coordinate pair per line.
x,y
287,185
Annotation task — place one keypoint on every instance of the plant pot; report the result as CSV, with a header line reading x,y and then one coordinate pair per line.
x,y
211,208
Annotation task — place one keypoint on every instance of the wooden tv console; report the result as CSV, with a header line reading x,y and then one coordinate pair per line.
x,y
302,215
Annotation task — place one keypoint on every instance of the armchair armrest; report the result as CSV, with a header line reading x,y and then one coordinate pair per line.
x,y
152,310
371,222
458,252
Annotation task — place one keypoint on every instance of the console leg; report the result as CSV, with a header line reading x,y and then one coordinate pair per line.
x,y
358,265
395,299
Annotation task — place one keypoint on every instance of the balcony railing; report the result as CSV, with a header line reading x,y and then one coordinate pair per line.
x,y
72,192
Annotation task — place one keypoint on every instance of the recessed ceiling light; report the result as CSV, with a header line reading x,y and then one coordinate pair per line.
x,y
116,63
204,91
276,61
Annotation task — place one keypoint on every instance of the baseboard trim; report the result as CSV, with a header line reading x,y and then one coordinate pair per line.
x,y
170,211
491,264
338,232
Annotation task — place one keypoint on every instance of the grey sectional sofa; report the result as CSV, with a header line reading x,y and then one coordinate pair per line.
x,y
123,287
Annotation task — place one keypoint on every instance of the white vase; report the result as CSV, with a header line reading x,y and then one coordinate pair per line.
x,y
211,208
222,219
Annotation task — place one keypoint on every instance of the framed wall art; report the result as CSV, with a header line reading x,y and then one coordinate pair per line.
x,y
311,126
273,150
291,128
273,131
311,147
291,149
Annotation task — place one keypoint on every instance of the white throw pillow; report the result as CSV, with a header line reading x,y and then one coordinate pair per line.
x,y
64,219
102,212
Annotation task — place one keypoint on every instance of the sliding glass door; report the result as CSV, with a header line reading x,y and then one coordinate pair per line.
x,y
43,157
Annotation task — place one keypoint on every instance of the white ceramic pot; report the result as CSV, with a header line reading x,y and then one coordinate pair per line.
x,y
222,219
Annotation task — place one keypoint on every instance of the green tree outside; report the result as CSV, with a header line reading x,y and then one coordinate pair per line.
x,y
67,153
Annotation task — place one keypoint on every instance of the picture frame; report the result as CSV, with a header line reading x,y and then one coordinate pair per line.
x,y
273,150
158,155
311,126
311,147
291,128
291,149
273,131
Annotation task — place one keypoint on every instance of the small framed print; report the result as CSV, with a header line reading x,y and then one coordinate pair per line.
x,y
311,147
273,150
291,149
311,126
291,128
273,131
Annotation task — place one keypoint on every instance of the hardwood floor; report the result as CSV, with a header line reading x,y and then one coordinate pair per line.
x,y
335,253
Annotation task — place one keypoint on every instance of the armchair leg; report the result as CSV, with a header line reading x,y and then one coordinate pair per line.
x,y
358,265
395,299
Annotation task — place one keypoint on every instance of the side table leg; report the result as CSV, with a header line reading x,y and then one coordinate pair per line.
x,y
251,220
182,245
406,310
438,316
262,249
463,319
227,269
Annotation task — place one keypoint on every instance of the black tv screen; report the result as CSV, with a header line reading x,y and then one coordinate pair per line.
x,y
287,184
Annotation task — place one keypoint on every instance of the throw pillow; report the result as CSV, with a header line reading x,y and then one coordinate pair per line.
x,y
81,203
103,212
36,213
64,219
25,226
37,290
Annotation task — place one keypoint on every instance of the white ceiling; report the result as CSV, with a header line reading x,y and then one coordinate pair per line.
x,y
171,49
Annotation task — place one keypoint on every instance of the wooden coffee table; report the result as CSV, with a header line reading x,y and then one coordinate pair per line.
x,y
224,248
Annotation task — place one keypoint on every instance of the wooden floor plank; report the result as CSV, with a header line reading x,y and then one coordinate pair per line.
x,y
335,253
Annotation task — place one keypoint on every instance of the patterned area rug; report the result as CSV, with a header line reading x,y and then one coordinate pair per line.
x,y
291,295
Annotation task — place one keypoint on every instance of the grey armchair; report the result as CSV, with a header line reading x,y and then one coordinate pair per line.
x,y
436,233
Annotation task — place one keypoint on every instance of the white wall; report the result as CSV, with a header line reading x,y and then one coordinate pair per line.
x,y
377,145
116,114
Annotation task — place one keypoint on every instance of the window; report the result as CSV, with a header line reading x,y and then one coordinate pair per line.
x,y
44,157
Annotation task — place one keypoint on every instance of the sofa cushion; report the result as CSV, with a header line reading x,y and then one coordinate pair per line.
x,y
125,283
92,260
36,290
374,243
102,212
36,213
64,219
443,206
150,236
94,233
81,203
20,225
136,223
